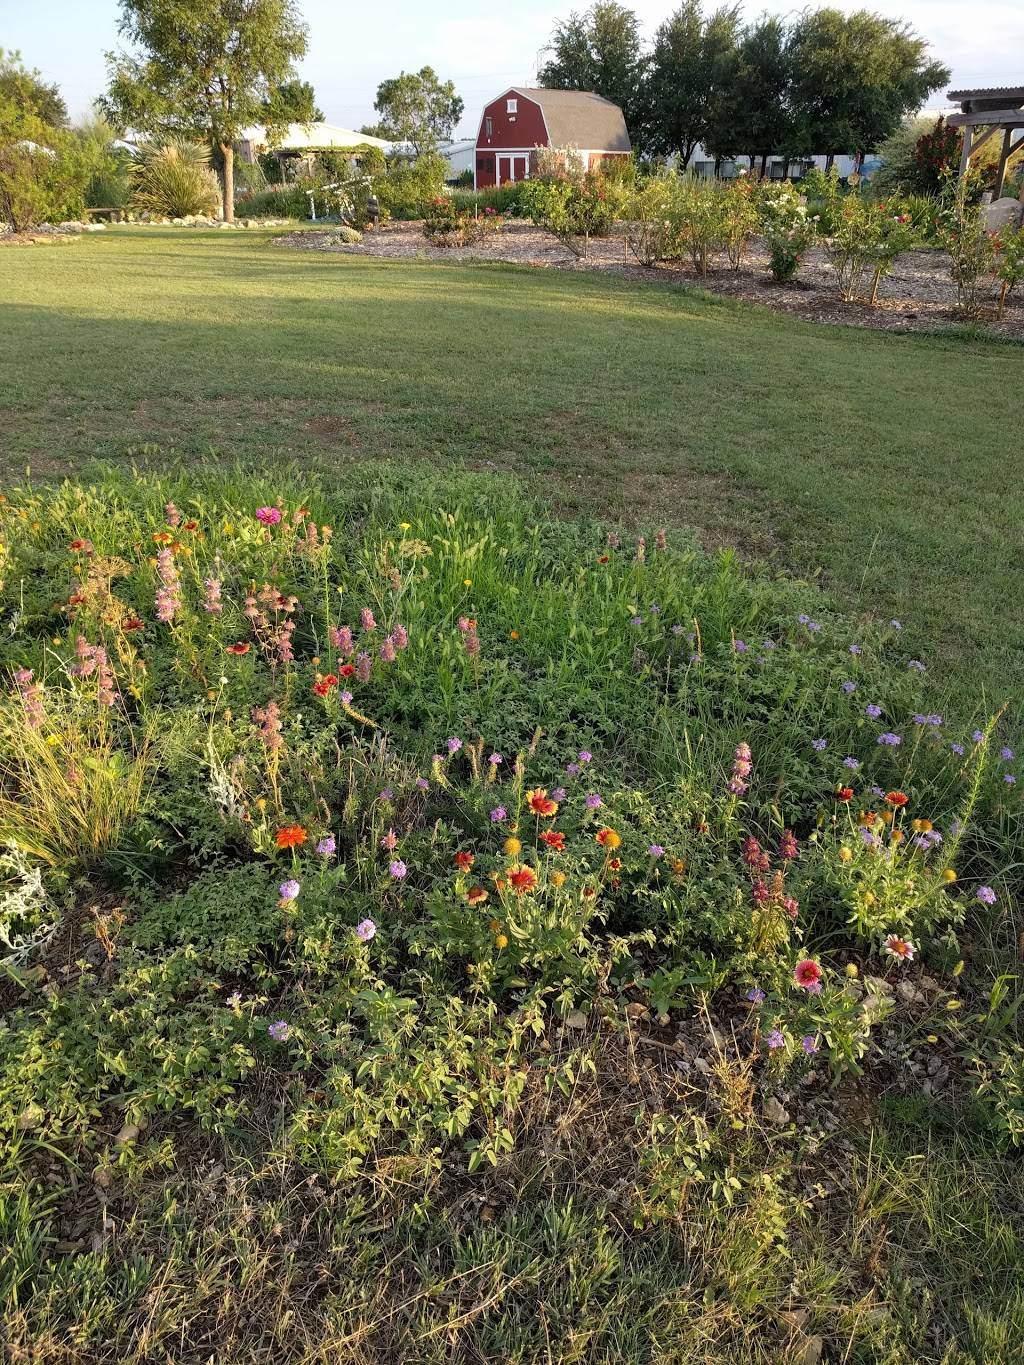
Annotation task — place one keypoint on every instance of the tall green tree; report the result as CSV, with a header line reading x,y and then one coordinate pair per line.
x,y
692,75
418,108
764,73
205,69
855,77
601,51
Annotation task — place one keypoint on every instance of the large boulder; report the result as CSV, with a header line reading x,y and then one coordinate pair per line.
x,y
1003,213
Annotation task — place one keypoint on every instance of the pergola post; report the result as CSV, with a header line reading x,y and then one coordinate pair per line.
x,y
1004,156
965,155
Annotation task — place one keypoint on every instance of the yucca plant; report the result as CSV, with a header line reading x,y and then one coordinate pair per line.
x,y
174,180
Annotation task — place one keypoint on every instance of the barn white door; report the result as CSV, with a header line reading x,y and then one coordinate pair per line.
x,y
513,166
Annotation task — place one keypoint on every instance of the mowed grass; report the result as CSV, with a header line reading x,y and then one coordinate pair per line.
x,y
888,464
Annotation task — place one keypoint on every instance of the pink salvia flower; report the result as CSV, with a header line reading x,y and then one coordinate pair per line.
x,y
268,719
172,514
363,666
168,596
387,651
341,639
213,603
31,694
366,619
400,637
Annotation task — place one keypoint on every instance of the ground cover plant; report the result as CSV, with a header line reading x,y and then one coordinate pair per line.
x,y
413,905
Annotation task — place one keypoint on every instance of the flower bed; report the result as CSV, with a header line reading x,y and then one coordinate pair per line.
x,y
355,782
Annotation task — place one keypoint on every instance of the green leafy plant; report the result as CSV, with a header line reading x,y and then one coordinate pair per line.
x,y
173,180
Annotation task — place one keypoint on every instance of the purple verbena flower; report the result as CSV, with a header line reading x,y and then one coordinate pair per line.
x,y
775,1039
327,847
756,996
819,745
873,710
890,740
365,930
279,1030
986,895
398,869
289,889
593,801
453,745
498,814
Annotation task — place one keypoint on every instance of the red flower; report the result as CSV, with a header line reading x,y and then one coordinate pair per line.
x,y
464,861
897,798
541,804
80,544
346,670
608,838
132,623
241,648
523,879
554,839
290,836
844,794
323,685
807,974
615,864
603,559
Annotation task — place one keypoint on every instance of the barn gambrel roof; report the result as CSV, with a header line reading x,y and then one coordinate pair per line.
x,y
579,118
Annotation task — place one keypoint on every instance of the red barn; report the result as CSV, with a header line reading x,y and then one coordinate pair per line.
x,y
524,117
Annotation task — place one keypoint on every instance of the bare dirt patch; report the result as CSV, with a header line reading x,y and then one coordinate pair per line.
x,y
917,296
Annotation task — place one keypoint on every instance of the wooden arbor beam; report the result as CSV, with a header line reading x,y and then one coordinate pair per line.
x,y
971,145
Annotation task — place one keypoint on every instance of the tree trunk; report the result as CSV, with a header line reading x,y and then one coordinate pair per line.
x,y
828,161
227,151
764,164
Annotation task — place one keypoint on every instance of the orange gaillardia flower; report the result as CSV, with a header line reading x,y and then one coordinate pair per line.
x,y
464,861
241,648
844,794
290,836
557,879
608,838
897,798
541,804
615,864
523,879
476,895
555,839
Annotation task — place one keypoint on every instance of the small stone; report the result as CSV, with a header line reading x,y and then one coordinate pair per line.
x,y
577,1019
128,1133
774,1112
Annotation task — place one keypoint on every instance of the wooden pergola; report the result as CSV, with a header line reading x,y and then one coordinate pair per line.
x,y
985,113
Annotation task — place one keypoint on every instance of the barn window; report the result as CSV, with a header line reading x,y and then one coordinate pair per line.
x,y
489,126
511,106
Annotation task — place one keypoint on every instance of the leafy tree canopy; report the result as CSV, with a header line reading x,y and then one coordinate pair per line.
x,y
418,108
205,69
293,101
601,51
855,77
29,92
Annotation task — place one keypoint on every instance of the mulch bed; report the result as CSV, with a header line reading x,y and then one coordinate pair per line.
x,y
917,296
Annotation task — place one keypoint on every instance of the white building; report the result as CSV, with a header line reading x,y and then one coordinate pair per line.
x,y
305,139
460,156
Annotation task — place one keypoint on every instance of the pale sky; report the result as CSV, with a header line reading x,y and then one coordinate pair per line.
x,y
353,47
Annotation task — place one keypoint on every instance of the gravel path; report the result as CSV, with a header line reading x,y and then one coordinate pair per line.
x,y
917,296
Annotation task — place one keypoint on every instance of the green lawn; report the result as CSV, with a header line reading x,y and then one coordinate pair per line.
x,y
884,462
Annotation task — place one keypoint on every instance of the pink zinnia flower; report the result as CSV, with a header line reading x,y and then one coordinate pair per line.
x,y
269,516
